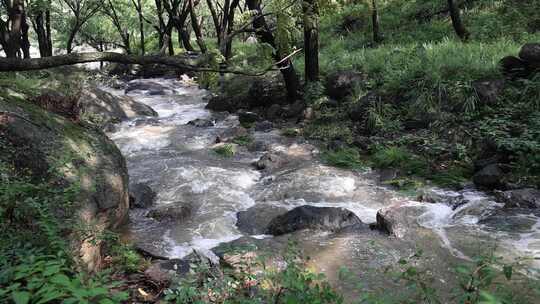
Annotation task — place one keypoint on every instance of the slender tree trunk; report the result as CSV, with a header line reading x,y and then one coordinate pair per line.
x,y
265,35
25,41
377,36
48,33
141,25
457,23
169,38
185,38
41,32
196,28
71,38
311,39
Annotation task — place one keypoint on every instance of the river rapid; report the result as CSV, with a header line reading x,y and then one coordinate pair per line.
x,y
178,162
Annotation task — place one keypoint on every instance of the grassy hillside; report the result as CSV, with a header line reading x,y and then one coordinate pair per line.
x,y
422,74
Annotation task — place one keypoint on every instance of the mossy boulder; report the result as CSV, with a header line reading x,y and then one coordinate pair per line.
x,y
45,146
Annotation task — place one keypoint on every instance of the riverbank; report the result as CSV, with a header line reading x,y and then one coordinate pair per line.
x,y
199,178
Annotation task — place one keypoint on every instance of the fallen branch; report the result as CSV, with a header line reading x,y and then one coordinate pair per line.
x,y
186,63
15,64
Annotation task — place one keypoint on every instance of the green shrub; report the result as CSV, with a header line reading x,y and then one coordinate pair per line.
x,y
32,276
343,158
243,140
226,150
294,284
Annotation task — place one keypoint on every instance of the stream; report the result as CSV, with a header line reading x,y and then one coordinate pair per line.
x,y
178,162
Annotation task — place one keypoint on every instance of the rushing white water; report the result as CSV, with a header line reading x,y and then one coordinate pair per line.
x,y
178,162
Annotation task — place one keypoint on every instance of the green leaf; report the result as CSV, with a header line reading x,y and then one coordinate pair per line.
x,y
21,297
61,279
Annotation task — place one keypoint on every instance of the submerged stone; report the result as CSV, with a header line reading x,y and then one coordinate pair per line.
x,y
316,218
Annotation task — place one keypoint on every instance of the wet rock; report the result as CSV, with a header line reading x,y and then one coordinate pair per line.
x,y
521,198
296,109
270,162
141,196
176,212
230,134
342,84
222,104
310,217
274,112
488,90
201,123
138,85
490,177
512,66
255,220
530,53
451,198
166,271
101,107
257,146
266,91
399,219
389,174
264,126
248,118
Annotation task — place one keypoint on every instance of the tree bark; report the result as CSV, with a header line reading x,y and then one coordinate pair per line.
x,y
311,39
377,36
16,64
457,23
141,26
265,35
196,28
42,28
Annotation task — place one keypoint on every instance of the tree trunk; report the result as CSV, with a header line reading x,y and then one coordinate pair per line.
x,y
15,32
184,38
196,28
48,33
39,27
311,39
141,26
377,36
265,35
16,64
71,38
458,25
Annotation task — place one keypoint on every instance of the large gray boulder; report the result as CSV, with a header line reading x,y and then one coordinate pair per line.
x,y
255,220
36,142
315,218
530,52
489,177
141,196
521,198
175,212
342,84
101,107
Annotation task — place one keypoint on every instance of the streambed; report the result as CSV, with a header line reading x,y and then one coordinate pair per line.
x,y
178,162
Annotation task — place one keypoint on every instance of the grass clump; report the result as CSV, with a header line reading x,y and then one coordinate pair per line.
x,y
290,132
348,158
226,150
243,140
